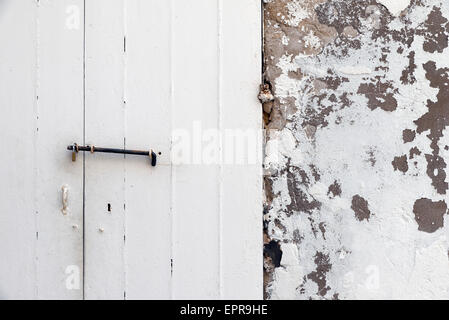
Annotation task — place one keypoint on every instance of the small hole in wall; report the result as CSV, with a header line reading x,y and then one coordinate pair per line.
x,y
159,153
109,207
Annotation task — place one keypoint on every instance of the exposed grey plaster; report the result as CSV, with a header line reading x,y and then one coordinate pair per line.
x,y
356,185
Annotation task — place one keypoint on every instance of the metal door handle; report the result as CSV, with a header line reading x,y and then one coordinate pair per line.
x,y
76,148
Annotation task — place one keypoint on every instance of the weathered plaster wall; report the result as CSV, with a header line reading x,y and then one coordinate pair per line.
x,y
356,186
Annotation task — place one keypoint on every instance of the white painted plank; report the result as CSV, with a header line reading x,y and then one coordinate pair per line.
x,y
240,77
148,125
104,125
196,249
17,131
60,122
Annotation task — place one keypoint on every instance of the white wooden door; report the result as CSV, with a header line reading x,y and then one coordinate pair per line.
x,y
135,74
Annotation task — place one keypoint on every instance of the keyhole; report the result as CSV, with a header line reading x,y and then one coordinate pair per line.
x,y
109,207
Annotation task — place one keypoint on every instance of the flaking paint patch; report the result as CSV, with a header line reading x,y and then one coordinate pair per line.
x,y
395,6
400,163
429,215
358,147
361,208
296,13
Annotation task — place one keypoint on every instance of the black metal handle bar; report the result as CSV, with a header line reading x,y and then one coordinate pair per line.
x,y
76,148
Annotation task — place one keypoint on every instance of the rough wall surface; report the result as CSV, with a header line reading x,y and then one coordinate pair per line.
x,y
356,186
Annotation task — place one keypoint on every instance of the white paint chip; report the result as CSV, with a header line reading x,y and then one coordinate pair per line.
x,y
312,41
395,6
296,13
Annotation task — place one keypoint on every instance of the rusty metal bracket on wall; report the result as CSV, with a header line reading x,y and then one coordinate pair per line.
x,y
75,148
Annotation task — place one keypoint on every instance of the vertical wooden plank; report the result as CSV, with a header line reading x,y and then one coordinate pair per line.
x,y
60,123
195,204
17,131
241,116
148,125
104,126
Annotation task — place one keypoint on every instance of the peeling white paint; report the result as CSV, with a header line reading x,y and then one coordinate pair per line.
x,y
296,13
395,6
385,256
312,41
